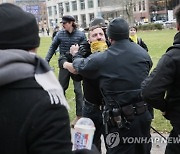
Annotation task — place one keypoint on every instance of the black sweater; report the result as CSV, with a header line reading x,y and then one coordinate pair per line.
x,y
29,123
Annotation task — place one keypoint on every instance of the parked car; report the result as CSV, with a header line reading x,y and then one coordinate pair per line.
x,y
159,22
170,23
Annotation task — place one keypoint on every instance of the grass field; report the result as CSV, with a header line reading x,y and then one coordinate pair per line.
x,y
157,42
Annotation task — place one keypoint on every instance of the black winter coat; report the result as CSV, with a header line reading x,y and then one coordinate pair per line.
x,y
29,123
162,88
142,44
91,89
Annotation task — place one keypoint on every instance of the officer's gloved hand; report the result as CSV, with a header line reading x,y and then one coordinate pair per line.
x,y
68,56
94,150
84,49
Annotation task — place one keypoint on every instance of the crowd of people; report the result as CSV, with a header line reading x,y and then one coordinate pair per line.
x,y
113,86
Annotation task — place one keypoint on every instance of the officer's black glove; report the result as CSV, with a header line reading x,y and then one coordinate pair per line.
x,y
84,49
68,57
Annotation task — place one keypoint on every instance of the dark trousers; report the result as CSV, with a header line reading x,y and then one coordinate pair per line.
x,y
95,114
126,141
173,146
64,78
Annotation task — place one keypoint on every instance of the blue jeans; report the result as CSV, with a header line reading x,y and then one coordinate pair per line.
x,y
93,112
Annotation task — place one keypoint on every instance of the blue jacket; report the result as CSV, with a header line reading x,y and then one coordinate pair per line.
x,y
64,40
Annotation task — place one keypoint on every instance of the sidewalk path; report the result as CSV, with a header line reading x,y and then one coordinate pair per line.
x,y
159,146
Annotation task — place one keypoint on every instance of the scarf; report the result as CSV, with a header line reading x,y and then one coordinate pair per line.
x,y
134,38
98,46
18,64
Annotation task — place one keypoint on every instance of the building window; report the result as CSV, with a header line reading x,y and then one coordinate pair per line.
x,y
56,20
90,4
139,5
67,7
74,5
83,18
51,22
82,4
91,16
55,10
76,18
60,7
99,3
143,4
50,11
134,7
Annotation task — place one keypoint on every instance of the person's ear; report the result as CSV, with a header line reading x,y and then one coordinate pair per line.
x,y
178,26
33,50
110,40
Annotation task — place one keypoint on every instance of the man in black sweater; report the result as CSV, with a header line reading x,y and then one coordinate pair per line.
x,y
33,110
92,107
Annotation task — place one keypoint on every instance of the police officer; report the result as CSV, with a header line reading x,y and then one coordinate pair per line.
x,y
120,71
162,88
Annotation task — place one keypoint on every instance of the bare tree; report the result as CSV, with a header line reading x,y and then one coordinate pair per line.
x,y
129,4
125,8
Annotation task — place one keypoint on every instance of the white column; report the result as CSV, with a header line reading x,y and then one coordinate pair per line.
x,y
79,15
96,10
87,13
70,6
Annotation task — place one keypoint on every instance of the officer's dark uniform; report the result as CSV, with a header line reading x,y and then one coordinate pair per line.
x,y
120,71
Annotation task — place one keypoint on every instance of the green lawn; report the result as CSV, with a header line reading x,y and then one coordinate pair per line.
x,y
157,42
42,51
